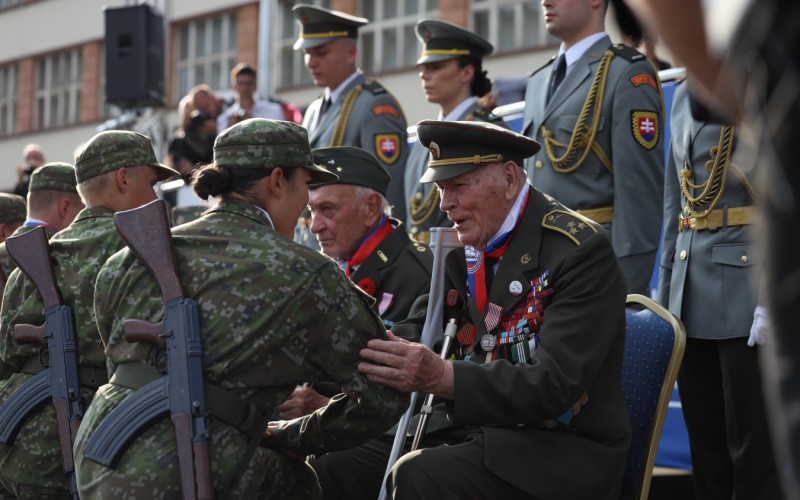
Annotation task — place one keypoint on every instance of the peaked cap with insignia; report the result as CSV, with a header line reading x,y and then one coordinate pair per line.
x,y
319,26
442,41
353,166
262,143
460,147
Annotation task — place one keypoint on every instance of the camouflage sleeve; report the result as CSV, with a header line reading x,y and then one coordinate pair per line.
x,y
22,304
364,410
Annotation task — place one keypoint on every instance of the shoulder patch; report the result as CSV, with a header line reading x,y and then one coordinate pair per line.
x,y
644,79
571,224
387,109
627,53
373,87
644,125
387,147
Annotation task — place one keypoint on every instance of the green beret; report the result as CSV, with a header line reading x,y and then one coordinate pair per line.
x,y
115,149
319,26
55,176
12,209
460,147
442,41
262,143
353,166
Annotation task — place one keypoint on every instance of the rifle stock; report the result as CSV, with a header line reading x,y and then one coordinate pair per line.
x,y
31,253
443,241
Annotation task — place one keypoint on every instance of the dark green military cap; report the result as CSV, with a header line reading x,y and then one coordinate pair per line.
x,y
55,176
442,41
319,26
353,166
262,143
460,147
115,149
12,209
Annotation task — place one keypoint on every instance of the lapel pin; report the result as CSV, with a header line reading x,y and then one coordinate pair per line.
x,y
515,287
525,259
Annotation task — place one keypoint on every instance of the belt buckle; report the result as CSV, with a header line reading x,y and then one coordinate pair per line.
x,y
698,222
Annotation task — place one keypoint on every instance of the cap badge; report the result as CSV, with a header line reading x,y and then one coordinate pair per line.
x,y
435,153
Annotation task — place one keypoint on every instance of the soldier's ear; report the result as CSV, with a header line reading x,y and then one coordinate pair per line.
x,y
121,179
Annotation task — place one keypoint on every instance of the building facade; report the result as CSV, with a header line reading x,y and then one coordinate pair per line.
x,y
52,75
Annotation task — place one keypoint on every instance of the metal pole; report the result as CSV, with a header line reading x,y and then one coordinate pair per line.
x,y
265,9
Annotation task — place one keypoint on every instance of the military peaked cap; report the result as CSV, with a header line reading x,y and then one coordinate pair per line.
x,y
319,26
442,41
115,149
262,143
353,166
460,147
55,176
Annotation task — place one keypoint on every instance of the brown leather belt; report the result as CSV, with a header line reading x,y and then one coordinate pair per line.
x,y
721,217
600,215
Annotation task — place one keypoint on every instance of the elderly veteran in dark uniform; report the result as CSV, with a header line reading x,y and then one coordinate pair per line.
x,y
115,170
534,392
273,314
12,214
452,76
53,203
352,221
707,267
354,110
596,110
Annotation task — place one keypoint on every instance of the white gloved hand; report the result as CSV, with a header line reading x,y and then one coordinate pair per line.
x,y
761,327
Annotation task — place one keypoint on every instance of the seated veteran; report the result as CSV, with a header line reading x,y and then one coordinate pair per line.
x,y
353,224
533,390
272,315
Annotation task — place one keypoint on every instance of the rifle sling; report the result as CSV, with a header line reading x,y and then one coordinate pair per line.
x,y
88,376
222,404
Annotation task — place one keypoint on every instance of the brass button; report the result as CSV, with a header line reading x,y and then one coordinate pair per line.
x,y
683,254
744,259
538,164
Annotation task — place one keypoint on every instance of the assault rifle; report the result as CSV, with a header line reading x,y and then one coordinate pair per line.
x,y
180,392
59,381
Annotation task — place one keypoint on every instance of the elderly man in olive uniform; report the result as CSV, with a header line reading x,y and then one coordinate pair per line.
x,y
352,221
534,392
12,214
53,203
596,110
353,110
115,170
706,263
452,76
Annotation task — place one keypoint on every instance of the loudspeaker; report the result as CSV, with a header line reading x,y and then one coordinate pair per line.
x,y
134,44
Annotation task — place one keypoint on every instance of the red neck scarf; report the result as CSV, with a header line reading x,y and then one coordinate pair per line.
x,y
369,244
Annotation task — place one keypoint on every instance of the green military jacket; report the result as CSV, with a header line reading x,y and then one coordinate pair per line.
x,y
273,315
77,253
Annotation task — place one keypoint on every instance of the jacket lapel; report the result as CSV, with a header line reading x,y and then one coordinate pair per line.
x,y
332,115
535,96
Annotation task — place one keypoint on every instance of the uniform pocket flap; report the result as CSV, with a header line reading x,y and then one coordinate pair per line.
x,y
733,254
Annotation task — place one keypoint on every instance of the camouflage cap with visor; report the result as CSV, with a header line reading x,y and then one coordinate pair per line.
x,y
12,209
54,176
262,143
115,149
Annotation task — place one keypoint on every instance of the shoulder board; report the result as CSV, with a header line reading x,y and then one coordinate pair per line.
x,y
547,64
373,86
423,255
485,115
627,53
571,224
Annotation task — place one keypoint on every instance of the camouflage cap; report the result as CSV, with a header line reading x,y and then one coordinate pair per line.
x,y
55,176
262,143
12,209
115,149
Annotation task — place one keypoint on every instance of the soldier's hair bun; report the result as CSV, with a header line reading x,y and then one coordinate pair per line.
x,y
211,180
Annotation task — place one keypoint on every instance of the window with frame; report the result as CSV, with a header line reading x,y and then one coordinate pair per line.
x,y
292,69
205,53
57,98
510,24
8,99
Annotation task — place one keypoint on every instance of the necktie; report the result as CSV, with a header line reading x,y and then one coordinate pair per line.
x,y
326,103
557,76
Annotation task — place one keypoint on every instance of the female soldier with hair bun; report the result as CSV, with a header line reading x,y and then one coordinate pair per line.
x,y
273,314
452,75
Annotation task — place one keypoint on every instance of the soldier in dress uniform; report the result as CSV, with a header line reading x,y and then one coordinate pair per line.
x,y
533,393
53,203
354,110
12,214
707,259
273,314
596,110
452,76
352,221
115,170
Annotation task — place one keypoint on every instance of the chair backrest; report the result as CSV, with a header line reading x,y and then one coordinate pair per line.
x,y
654,344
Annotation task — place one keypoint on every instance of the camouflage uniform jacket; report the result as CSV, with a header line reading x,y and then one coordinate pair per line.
x,y
273,315
77,253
